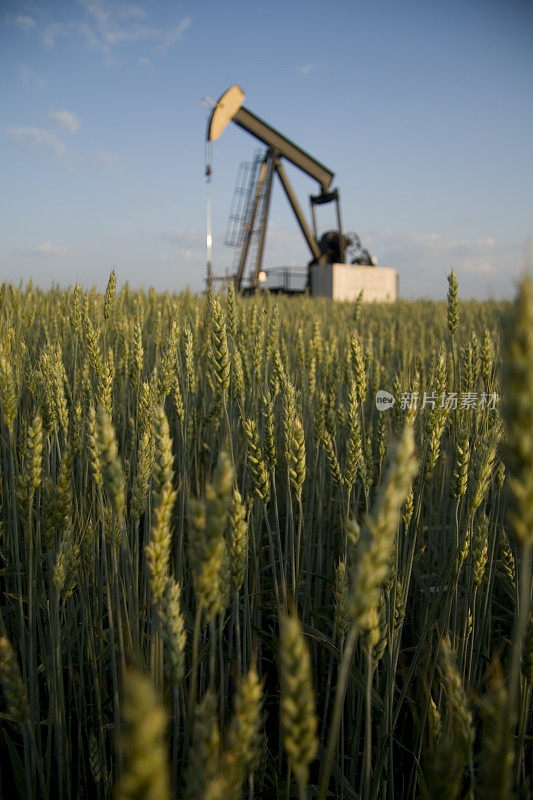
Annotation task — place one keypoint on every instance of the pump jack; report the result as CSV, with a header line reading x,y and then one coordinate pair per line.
x,y
333,245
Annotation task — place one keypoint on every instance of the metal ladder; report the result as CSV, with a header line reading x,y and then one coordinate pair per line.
x,y
241,207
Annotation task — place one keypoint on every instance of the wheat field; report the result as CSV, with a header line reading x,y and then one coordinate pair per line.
x,y
225,573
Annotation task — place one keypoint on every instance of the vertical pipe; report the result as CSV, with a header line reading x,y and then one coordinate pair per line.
x,y
209,236
272,157
313,215
339,226
250,225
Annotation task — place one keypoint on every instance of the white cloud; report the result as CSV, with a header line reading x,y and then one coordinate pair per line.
x,y
25,22
104,25
305,69
186,238
478,253
49,249
478,266
37,137
280,236
30,78
129,10
190,244
184,25
143,61
107,25
483,265
65,120
187,254
166,39
98,10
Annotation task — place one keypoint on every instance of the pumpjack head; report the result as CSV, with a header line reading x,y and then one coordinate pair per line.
x,y
224,111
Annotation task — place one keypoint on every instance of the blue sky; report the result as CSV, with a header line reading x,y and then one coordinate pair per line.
x,y
422,109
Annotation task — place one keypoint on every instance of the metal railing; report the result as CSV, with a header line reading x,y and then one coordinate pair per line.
x,y
289,280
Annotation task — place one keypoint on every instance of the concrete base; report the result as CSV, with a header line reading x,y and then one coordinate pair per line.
x,y
346,281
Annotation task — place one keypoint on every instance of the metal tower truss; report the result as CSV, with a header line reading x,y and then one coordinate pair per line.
x,y
248,218
242,202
